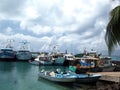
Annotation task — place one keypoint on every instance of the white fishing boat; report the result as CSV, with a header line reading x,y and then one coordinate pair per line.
x,y
68,59
42,59
24,53
7,52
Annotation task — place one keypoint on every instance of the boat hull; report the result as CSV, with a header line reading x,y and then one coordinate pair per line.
x,y
108,69
88,78
23,55
45,62
7,54
34,62
58,78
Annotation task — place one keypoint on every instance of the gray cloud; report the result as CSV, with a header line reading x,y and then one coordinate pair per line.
x,y
11,7
74,23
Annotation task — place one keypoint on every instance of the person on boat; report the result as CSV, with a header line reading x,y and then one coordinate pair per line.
x,y
57,71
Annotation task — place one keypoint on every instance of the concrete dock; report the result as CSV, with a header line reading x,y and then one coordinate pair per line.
x,y
110,76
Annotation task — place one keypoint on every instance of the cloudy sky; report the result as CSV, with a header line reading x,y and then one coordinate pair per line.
x,y
70,24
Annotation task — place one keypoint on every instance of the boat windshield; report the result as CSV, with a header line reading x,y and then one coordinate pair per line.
x,y
25,52
6,50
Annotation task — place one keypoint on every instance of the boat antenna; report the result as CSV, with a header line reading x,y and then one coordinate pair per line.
x,y
24,45
10,43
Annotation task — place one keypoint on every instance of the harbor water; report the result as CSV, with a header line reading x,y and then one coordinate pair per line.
x,y
24,76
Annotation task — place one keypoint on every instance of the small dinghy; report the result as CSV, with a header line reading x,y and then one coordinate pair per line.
x,y
55,77
34,62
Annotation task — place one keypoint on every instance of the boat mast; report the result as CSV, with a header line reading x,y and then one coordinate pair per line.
x,y
24,45
9,43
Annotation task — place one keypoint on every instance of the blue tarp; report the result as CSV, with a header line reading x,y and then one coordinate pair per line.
x,y
84,63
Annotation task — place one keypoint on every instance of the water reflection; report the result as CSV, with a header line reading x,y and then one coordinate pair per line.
x,y
24,76
57,86
6,66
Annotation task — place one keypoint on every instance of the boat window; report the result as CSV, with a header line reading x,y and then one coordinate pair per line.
x,y
55,56
70,56
9,51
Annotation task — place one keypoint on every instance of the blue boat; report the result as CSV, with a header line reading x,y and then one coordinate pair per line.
x,y
7,54
69,77
88,78
55,77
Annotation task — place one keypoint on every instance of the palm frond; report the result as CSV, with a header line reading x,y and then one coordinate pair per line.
x,y
112,36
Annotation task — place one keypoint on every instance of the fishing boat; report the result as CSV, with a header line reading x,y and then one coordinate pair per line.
x,y
94,62
106,64
55,77
42,59
85,64
53,59
69,77
58,58
7,53
45,61
24,53
68,59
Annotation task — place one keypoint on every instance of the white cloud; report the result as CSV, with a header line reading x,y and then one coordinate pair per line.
x,y
9,31
31,13
78,22
37,29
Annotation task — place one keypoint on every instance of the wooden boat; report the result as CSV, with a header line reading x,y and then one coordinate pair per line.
x,y
106,64
95,64
86,64
52,76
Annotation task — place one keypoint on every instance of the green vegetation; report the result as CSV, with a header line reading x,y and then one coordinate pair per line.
x,y
112,36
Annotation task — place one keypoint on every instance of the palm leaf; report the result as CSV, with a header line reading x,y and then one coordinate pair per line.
x,y
112,36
